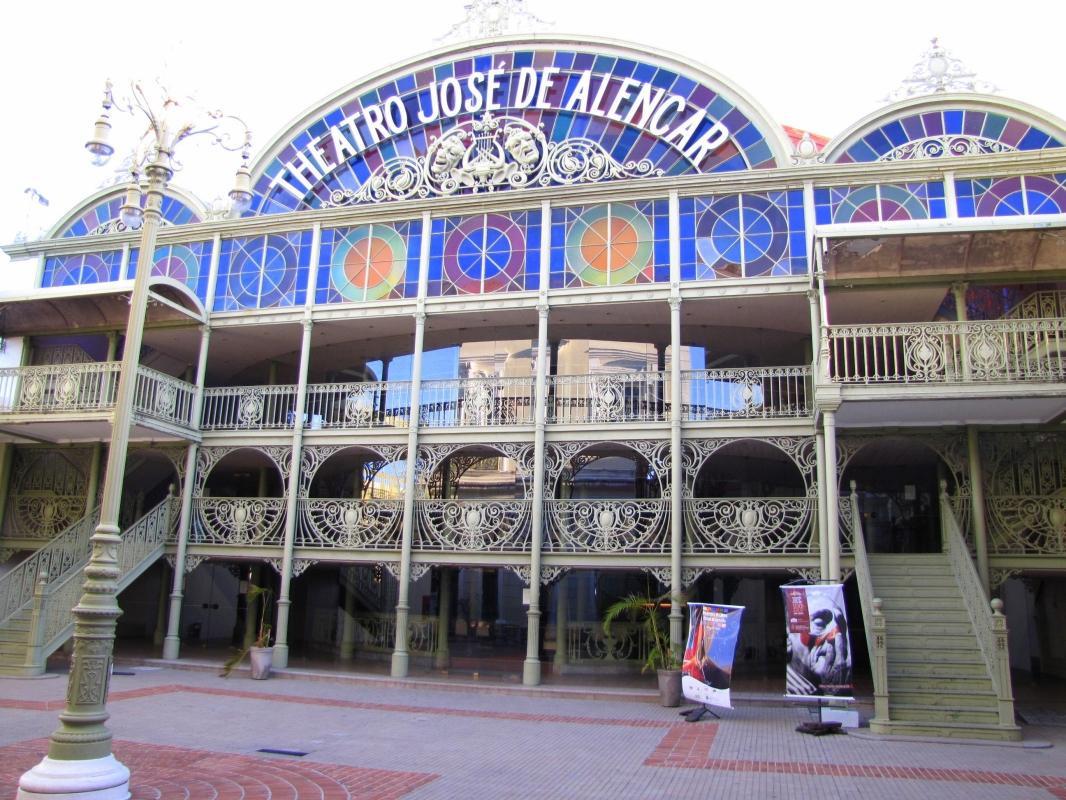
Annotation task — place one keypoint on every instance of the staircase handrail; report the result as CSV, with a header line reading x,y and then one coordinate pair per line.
x,y
989,624
145,537
64,554
876,642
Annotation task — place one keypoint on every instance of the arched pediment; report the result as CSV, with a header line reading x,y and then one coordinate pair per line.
x,y
99,212
946,125
514,112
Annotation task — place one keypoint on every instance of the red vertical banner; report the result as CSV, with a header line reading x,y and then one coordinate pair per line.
x,y
819,645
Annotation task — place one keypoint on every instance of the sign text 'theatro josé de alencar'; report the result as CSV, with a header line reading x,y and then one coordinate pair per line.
x,y
633,102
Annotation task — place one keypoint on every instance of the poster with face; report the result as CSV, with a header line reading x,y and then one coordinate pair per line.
x,y
819,648
707,669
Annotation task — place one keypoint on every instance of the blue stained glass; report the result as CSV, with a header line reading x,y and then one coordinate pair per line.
x,y
895,133
953,121
624,68
1034,140
644,72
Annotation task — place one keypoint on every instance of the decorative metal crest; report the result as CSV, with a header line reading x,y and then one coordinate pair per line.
x,y
486,154
939,71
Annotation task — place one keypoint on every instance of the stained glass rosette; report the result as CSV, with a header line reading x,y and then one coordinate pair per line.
x,y
1008,197
75,270
368,263
263,271
609,245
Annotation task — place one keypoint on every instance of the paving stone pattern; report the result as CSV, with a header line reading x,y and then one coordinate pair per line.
x,y
194,736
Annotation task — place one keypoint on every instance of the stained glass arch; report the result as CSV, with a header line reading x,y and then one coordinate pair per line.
x,y
512,112
98,213
946,125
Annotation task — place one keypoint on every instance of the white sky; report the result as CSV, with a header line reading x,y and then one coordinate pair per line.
x,y
816,65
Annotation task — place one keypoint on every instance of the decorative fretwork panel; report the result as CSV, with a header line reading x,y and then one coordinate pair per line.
x,y
586,641
749,525
473,525
48,491
349,523
607,526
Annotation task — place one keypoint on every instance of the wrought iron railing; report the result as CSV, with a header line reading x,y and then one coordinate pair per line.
x,y
626,644
1040,305
477,402
614,397
993,351
1027,524
473,525
608,526
347,523
989,624
65,554
376,632
876,639
238,520
749,525
746,393
163,397
252,408
358,406
59,388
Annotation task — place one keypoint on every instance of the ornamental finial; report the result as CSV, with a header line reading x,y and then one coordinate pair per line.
x,y
939,71
487,18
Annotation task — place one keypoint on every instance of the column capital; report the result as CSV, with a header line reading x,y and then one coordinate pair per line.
x,y
420,316
542,308
674,302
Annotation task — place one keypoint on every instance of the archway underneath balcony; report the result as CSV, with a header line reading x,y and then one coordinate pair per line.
x,y
897,484
608,497
750,496
475,498
351,497
240,496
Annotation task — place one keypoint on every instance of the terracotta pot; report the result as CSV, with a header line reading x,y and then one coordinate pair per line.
x,y
669,688
261,658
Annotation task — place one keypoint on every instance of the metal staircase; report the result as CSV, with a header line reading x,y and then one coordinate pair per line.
x,y
37,595
938,648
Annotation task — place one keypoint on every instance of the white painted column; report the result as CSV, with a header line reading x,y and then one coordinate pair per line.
x,y
400,657
823,506
832,495
281,630
531,666
172,642
677,611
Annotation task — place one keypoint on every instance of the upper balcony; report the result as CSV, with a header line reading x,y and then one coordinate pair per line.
x,y
499,402
988,371
76,401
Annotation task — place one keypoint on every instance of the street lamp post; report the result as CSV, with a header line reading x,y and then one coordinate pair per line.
x,y
79,761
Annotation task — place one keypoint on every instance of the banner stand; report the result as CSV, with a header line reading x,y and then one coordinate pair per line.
x,y
697,713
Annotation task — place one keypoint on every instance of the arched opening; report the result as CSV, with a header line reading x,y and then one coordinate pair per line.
x,y
897,482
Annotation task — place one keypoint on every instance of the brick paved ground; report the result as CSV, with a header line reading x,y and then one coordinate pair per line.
x,y
190,735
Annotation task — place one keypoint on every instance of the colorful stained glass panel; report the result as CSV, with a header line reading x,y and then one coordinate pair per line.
x,y
263,271
82,268
103,217
610,244
369,262
486,253
884,202
1014,196
187,263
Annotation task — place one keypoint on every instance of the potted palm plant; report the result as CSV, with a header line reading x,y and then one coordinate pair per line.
x,y
651,614
259,652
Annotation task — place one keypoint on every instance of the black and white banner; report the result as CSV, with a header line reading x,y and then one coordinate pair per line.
x,y
819,648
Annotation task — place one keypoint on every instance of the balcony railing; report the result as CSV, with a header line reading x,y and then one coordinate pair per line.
x,y
349,523
92,386
614,397
162,397
608,526
752,525
478,402
993,351
1027,524
238,520
746,393
473,525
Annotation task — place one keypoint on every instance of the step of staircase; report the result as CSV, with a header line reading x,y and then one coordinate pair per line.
x,y
945,698
905,712
902,616
938,684
950,639
935,657
950,730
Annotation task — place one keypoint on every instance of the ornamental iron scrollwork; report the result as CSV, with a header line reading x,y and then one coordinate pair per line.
x,y
997,577
607,526
808,574
349,523
947,145
1027,524
49,491
749,525
486,154
586,641
238,520
473,525
419,569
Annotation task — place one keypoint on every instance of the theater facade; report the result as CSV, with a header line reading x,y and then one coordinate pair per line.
x,y
524,325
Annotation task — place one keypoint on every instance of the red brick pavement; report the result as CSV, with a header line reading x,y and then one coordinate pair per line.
x,y
158,772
